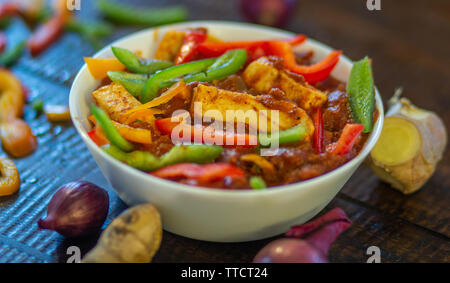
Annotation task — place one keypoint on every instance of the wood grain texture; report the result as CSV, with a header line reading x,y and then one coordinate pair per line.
x,y
408,42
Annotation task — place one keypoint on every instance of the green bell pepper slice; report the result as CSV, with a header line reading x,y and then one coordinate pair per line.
x,y
91,31
5,22
154,84
196,153
138,65
257,183
201,71
110,131
227,64
294,134
141,160
360,88
38,106
11,55
133,83
98,29
148,162
141,16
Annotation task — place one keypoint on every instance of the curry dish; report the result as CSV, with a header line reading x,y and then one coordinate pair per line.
x,y
304,120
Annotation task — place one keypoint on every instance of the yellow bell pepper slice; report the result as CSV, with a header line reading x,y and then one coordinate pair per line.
x,y
99,67
9,177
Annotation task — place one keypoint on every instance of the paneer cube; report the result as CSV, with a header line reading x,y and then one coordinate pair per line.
x,y
115,100
263,76
170,45
248,109
306,96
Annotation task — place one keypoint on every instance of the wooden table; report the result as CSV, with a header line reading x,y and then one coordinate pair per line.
x,y
409,43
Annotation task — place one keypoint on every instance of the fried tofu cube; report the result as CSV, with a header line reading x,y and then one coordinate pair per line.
x,y
170,45
306,96
115,100
249,109
263,76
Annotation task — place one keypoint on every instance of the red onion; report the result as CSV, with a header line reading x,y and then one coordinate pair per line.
x,y
268,12
77,209
321,233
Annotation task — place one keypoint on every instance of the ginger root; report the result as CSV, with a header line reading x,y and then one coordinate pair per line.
x,y
133,237
412,142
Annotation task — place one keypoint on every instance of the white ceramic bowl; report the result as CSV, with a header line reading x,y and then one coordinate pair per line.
x,y
212,214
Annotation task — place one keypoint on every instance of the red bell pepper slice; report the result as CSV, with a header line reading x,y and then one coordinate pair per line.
x,y
297,40
3,42
201,173
9,9
46,34
347,140
283,49
218,171
197,133
166,125
312,74
260,47
188,50
99,140
183,170
318,130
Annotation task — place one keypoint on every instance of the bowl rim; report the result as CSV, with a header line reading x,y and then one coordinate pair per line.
x,y
370,143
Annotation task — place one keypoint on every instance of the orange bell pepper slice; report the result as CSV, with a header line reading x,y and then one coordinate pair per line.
x,y
17,138
144,115
99,67
261,162
163,98
9,177
137,135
